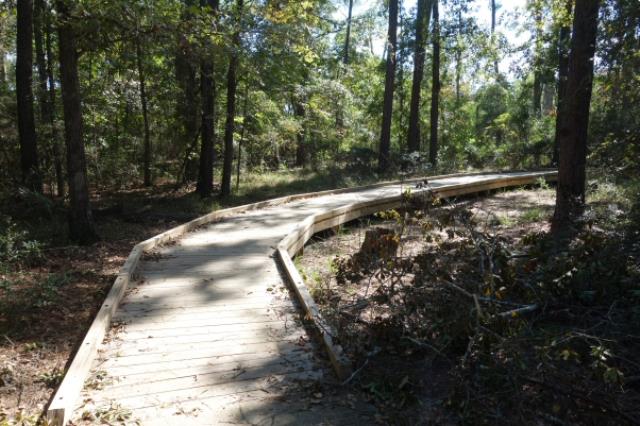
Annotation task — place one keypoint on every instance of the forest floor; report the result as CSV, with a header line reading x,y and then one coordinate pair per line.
x,y
481,318
50,289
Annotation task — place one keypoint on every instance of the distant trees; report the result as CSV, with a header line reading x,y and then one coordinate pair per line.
x,y
574,117
153,76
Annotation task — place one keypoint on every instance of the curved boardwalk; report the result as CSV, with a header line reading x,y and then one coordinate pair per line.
x,y
209,334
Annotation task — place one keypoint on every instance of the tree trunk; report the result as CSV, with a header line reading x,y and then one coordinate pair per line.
x,y
81,227
422,24
387,107
574,121
186,76
493,38
145,114
242,132
57,152
232,83
435,86
3,74
24,74
347,39
390,74
40,16
537,62
301,152
207,88
564,41
458,58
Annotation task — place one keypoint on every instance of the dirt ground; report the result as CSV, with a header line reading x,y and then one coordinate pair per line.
x,y
407,387
47,306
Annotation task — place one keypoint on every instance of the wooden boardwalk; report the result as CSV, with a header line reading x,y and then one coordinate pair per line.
x,y
209,333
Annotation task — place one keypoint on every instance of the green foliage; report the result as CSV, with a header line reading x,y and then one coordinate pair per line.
x,y
15,245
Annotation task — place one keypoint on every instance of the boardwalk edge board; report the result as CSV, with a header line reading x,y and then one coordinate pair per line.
x,y
295,241
63,402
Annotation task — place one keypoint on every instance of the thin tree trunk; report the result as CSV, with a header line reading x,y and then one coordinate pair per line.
x,y
435,86
422,24
493,38
301,152
232,83
3,74
145,115
24,75
207,88
186,75
537,62
574,123
564,40
387,107
458,59
40,14
345,58
81,226
401,77
242,132
55,141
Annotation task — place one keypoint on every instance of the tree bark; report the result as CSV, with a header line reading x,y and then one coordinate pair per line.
x,y
242,132
435,87
458,58
301,152
81,226
564,40
187,106
57,152
3,74
40,16
422,24
232,84
574,121
24,74
387,107
537,62
496,70
347,39
145,114
207,88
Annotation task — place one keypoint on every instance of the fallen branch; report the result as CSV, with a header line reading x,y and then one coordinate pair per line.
x,y
514,313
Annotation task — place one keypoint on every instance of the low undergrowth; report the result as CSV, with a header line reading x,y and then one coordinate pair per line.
x,y
507,323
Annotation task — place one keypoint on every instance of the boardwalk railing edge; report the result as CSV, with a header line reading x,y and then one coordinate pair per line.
x,y
62,404
295,241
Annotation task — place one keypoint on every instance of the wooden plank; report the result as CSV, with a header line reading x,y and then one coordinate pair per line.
x,y
182,352
192,364
160,346
60,408
265,383
339,361
207,379
168,378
